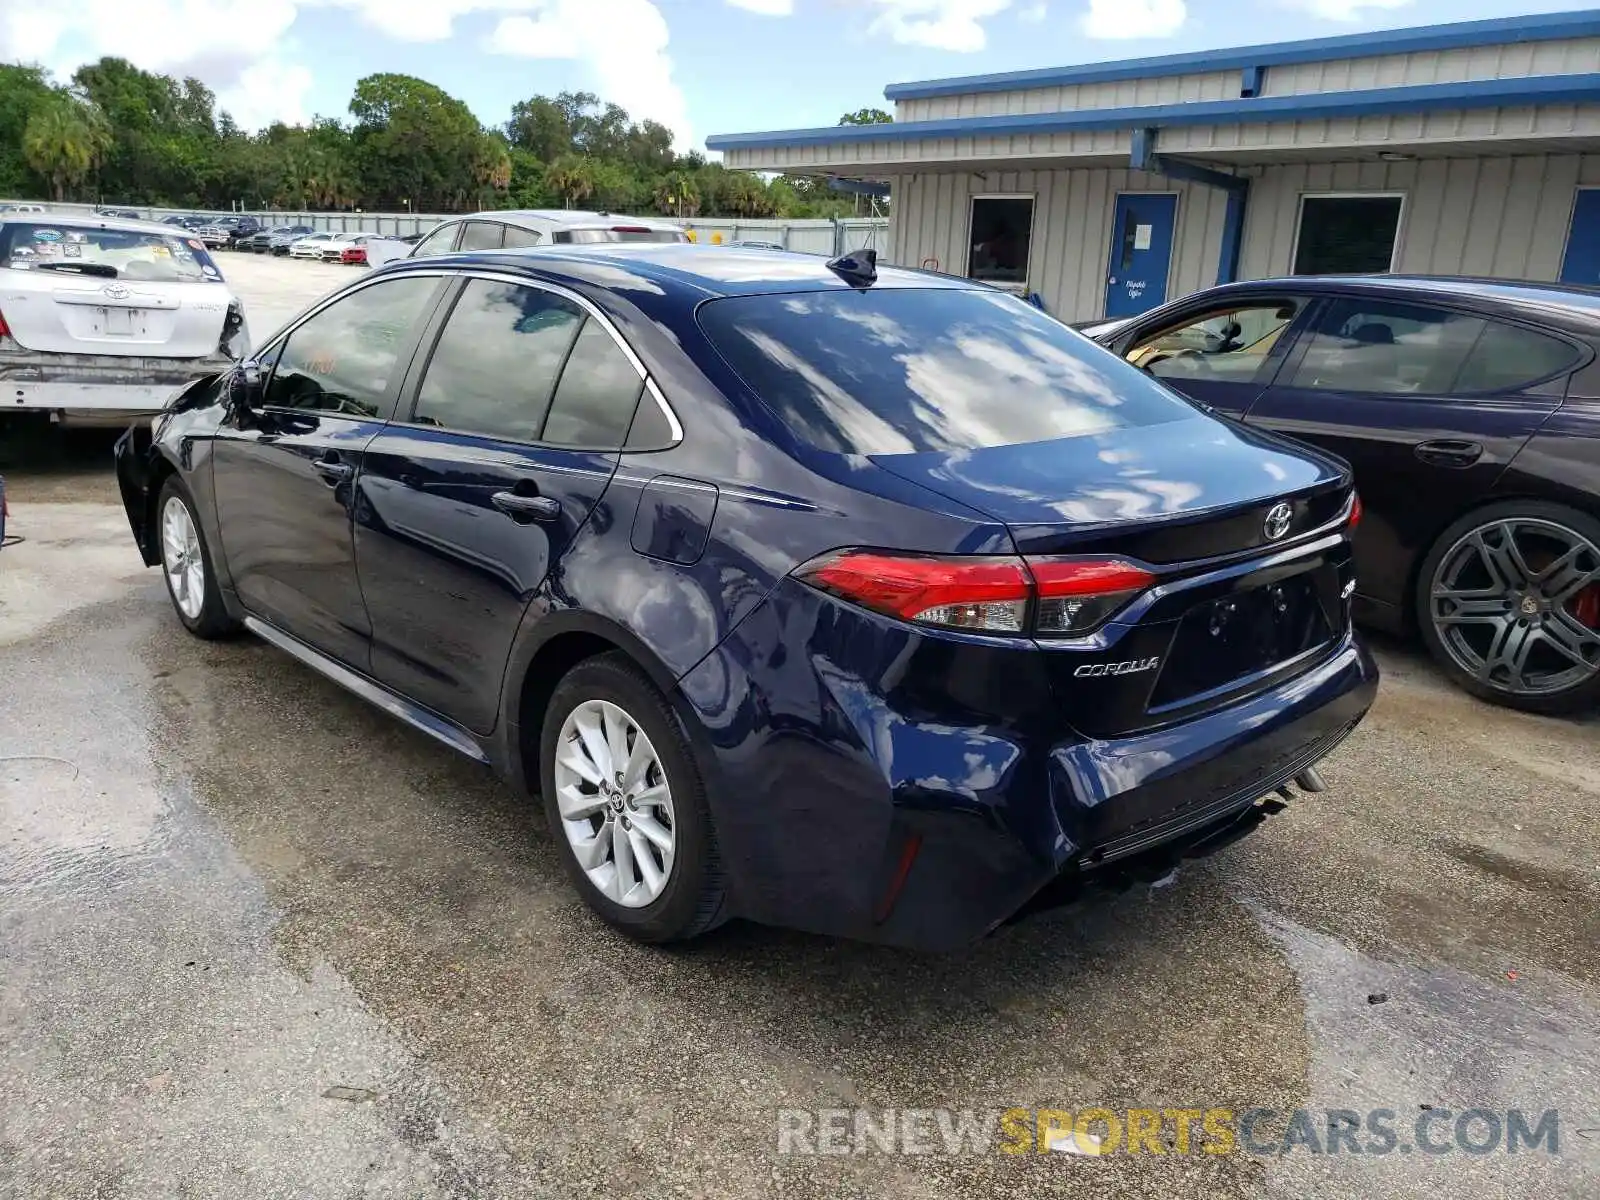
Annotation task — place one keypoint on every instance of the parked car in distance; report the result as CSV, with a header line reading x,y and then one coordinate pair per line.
x,y
103,318
542,227
1470,410
213,235
244,227
311,245
257,242
333,249
753,566
354,249
126,214
287,236
748,244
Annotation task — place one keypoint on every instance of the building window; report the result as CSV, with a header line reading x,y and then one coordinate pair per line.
x,y
1001,226
1341,235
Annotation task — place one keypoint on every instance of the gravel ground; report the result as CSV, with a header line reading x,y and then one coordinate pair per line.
x,y
260,940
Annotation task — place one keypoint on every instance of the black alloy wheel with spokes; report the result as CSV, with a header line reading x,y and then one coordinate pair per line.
x,y
1509,603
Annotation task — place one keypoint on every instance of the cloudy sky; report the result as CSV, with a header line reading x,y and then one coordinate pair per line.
x,y
700,66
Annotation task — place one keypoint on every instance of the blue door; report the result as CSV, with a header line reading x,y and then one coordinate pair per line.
x,y
1582,263
1141,252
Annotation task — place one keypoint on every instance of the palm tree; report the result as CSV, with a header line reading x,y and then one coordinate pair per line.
x,y
676,195
571,177
64,141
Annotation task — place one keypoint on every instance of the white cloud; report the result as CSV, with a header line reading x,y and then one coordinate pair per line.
x,y
1034,12
268,91
1138,18
623,43
941,24
767,8
1347,10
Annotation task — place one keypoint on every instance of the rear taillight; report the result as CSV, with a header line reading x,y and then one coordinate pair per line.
x,y
5,330
1355,509
983,595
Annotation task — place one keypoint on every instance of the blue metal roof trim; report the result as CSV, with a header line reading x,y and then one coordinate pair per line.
x,y
1499,31
1429,97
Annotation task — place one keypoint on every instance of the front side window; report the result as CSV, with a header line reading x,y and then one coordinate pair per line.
x,y
1229,347
1342,235
438,242
106,253
598,393
481,235
903,370
494,367
344,358
1001,229
1377,346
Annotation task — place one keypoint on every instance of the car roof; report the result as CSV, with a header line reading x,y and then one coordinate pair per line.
x,y
1533,297
564,218
697,271
90,221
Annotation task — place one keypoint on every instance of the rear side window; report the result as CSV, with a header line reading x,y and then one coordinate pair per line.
x,y
495,366
1376,346
599,390
481,235
902,370
438,242
516,237
1507,358
107,253
343,359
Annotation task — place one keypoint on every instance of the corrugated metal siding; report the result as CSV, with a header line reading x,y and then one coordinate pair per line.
x,y
1072,219
1123,93
1462,216
1568,57
1372,133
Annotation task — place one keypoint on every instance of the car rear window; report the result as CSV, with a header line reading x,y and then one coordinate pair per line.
x,y
108,253
619,234
902,370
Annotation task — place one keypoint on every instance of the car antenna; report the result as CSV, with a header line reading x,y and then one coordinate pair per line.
x,y
859,268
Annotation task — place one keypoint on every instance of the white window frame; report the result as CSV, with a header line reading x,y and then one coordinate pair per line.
x,y
1032,198
1382,194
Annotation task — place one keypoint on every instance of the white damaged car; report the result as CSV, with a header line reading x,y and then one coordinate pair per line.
x,y
103,319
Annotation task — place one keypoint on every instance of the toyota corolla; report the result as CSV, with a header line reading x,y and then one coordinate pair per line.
x,y
870,602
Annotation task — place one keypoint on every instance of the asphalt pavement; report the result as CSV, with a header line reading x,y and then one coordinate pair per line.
x,y
259,940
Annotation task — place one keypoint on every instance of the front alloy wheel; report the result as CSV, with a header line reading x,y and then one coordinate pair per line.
x,y
181,558
1514,606
615,803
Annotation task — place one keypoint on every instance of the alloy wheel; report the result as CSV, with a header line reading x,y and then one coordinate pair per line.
x,y
1516,605
181,558
615,803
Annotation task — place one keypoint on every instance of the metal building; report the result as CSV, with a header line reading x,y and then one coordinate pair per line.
x,y
1106,189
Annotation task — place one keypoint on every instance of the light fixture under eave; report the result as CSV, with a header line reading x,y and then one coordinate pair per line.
x,y
1395,156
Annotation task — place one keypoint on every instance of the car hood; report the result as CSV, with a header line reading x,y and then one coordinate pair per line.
x,y
1195,472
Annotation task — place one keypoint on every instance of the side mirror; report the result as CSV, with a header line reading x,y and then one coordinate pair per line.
x,y
244,386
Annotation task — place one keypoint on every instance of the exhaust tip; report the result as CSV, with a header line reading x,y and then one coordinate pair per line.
x,y
1311,780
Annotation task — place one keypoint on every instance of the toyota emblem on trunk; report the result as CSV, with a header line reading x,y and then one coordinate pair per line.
x,y
1279,517
115,291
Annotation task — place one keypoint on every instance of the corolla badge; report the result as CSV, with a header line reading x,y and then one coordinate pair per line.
x,y
116,291
1279,517
1132,667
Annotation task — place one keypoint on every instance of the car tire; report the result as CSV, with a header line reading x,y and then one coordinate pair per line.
x,y
186,565
1502,616
668,888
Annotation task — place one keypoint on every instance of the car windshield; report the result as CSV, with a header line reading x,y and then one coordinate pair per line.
x,y
126,253
903,370
637,234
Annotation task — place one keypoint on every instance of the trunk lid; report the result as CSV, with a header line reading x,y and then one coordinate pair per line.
x,y
1171,492
1238,606
60,313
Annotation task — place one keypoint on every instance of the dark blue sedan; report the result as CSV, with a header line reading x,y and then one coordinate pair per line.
x,y
869,602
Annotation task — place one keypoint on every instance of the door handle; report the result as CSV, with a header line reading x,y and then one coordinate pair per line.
x,y
1449,452
333,471
522,508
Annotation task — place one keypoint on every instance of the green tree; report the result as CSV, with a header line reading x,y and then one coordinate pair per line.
x,y
22,91
63,140
570,177
866,116
415,142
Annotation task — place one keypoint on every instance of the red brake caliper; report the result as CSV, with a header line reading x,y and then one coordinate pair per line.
x,y
1586,606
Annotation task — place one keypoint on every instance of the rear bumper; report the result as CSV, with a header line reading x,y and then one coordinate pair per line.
x,y
847,804
84,384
